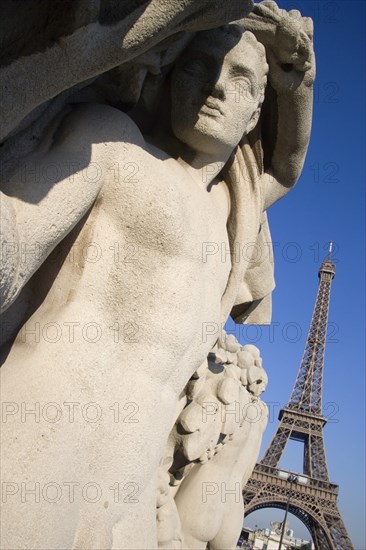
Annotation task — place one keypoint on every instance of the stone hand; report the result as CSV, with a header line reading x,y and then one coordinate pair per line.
x,y
287,37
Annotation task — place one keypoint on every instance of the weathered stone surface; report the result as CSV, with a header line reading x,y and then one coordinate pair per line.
x,y
139,157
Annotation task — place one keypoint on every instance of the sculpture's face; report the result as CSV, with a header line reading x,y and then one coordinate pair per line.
x,y
216,89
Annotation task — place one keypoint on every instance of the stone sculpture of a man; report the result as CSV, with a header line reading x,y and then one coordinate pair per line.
x,y
125,331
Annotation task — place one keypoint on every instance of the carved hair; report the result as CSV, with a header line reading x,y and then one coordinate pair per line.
x,y
239,32
242,174
262,54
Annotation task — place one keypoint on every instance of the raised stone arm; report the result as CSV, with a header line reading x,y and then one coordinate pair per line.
x,y
287,37
49,194
36,78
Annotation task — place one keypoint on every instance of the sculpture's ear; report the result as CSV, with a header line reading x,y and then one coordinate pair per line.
x,y
253,121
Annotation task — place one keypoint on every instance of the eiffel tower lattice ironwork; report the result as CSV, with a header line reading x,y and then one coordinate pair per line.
x,y
314,501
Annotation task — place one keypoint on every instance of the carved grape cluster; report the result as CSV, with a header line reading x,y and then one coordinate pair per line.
x,y
218,395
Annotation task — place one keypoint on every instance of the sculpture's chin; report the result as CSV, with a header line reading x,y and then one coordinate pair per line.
x,y
206,137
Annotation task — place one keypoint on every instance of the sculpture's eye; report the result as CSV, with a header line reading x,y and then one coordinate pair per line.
x,y
243,84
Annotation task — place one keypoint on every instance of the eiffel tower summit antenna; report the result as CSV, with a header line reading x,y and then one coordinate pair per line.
x,y
309,494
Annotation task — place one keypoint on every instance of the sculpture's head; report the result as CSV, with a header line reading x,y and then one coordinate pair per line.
x,y
218,88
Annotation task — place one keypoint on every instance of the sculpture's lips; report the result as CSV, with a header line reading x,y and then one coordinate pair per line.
x,y
211,108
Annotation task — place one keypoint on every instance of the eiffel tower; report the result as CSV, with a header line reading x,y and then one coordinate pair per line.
x,y
308,495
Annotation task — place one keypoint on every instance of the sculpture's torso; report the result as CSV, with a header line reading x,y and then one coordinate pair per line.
x,y
132,312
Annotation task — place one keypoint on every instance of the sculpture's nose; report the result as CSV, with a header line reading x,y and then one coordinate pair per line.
x,y
216,89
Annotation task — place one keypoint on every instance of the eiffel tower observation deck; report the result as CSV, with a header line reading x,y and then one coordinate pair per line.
x,y
309,494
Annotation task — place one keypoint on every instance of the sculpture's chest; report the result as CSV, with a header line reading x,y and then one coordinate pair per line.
x,y
154,242
156,205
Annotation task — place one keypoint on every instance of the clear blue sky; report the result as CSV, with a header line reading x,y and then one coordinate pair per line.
x,y
327,203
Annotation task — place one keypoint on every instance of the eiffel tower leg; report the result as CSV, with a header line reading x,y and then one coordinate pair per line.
x,y
332,537
319,539
276,447
338,533
314,503
315,462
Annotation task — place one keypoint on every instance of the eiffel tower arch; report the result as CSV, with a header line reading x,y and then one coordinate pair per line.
x,y
309,495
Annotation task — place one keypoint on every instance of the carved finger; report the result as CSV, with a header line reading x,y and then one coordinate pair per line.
x,y
308,27
270,4
268,10
295,15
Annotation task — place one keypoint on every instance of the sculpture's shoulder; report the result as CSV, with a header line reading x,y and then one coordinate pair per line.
x,y
96,124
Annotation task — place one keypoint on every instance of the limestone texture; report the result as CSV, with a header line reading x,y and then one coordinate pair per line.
x,y
141,145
